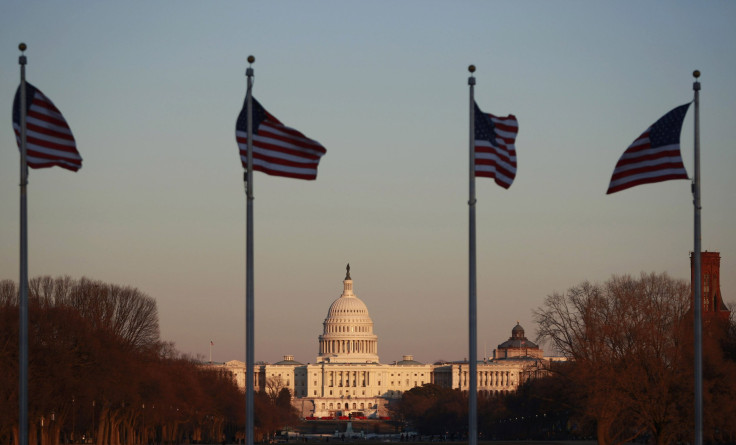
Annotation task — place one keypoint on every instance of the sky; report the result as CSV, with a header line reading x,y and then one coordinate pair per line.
x,y
152,91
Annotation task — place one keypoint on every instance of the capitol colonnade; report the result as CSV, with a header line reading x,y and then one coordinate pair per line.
x,y
328,347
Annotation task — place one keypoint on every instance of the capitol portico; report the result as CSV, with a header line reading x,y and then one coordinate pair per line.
x,y
348,379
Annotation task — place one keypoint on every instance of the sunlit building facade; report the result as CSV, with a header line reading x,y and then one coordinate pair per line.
x,y
348,379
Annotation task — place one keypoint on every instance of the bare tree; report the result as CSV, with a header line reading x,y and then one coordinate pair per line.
x,y
124,311
274,385
8,293
626,341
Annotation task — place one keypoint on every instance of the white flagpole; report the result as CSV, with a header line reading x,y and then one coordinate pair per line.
x,y
23,285
697,291
472,319
249,299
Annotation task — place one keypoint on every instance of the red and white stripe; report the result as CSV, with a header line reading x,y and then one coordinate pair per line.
x,y
49,140
642,164
281,151
497,159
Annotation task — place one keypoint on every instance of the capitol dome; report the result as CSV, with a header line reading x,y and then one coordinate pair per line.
x,y
348,330
348,306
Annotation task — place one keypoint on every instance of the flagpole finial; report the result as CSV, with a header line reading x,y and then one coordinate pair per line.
x,y
696,74
249,70
471,68
22,59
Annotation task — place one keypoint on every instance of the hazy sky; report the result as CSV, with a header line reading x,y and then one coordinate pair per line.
x,y
152,90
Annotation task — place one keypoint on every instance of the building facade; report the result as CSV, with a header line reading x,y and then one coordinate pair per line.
x,y
348,379
710,285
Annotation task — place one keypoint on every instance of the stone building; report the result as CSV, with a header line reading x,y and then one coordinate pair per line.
x,y
348,379
517,346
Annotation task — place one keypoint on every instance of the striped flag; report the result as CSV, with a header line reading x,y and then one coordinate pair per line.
x,y
495,153
654,156
278,150
49,140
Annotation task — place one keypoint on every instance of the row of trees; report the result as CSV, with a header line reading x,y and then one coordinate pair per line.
x,y
629,377
531,413
99,372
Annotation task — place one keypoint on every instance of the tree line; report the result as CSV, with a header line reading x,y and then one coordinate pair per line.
x,y
99,373
629,374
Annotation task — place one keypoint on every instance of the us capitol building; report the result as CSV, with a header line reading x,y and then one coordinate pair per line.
x,y
348,379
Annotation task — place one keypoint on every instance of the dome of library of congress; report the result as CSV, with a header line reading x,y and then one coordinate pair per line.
x,y
348,330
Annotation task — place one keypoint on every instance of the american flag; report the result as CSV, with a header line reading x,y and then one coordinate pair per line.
x,y
49,140
654,156
495,153
278,150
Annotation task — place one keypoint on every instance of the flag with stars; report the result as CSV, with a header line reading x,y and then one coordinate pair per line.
x,y
278,150
49,140
654,156
495,152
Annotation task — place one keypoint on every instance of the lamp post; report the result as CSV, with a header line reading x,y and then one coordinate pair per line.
x,y
51,423
125,430
143,433
73,419
92,433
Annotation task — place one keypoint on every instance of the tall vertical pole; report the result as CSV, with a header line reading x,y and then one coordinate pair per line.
x,y
249,299
23,285
472,319
697,291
